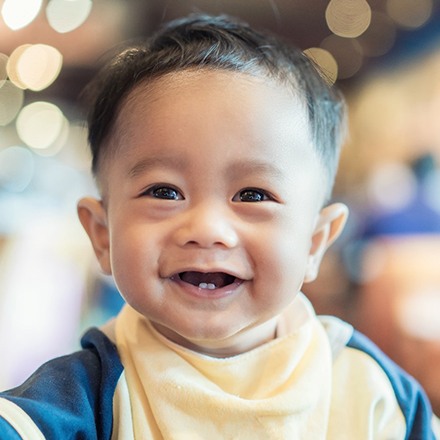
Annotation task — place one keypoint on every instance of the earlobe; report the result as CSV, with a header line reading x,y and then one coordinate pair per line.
x,y
93,218
330,224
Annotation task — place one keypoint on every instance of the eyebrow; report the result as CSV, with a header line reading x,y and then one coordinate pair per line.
x,y
235,170
149,163
254,167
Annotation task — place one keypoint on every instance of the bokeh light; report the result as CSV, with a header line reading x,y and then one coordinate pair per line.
x,y
348,18
34,66
11,101
347,53
3,63
16,168
380,36
410,13
67,15
391,186
19,13
59,143
11,66
326,61
38,66
40,124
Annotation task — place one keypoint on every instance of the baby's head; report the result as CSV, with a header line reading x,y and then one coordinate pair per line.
x,y
217,44
214,148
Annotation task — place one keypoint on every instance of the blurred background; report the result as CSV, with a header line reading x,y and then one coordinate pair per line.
x,y
383,275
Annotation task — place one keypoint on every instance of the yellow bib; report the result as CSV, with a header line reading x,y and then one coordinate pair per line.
x,y
280,390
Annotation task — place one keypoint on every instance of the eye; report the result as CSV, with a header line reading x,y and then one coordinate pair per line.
x,y
163,192
252,195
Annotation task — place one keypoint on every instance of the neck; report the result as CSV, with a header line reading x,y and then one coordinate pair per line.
x,y
223,348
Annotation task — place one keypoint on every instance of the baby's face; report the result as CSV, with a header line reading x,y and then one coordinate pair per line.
x,y
212,203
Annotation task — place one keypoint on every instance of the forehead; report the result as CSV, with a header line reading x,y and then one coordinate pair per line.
x,y
191,112
200,94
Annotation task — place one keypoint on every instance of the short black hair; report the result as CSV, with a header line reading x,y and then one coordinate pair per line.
x,y
221,43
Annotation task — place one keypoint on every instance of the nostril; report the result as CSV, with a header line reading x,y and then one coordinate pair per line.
x,y
206,228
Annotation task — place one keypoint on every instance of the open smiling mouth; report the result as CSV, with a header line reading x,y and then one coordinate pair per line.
x,y
209,280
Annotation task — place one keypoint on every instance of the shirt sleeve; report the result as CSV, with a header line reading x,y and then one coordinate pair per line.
x,y
411,398
66,396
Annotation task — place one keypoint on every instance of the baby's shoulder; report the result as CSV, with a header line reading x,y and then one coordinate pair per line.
x,y
367,382
72,392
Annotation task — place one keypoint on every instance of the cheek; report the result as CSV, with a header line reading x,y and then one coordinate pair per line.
x,y
132,257
282,256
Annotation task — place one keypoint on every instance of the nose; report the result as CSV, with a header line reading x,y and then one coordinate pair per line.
x,y
207,226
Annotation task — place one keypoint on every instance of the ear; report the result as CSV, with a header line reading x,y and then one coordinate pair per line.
x,y
93,217
330,223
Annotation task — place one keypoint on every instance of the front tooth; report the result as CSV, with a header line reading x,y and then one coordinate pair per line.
x,y
209,286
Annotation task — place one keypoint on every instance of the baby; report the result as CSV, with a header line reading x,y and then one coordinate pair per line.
x,y
214,150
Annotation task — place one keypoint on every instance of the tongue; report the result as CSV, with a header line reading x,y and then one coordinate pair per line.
x,y
219,279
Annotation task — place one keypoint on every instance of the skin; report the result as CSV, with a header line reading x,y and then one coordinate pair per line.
x,y
214,172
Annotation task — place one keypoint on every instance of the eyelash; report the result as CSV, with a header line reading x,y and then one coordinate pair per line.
x,y
262,195
168,189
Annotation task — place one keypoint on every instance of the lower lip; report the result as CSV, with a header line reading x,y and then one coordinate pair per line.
x,y
198,292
